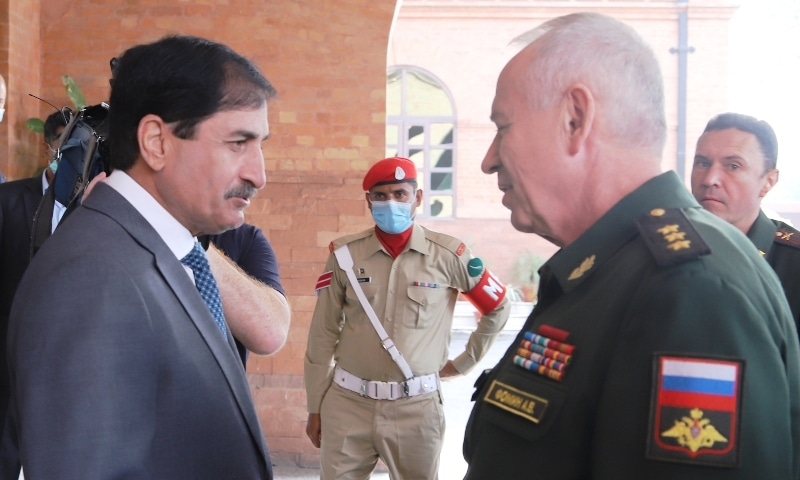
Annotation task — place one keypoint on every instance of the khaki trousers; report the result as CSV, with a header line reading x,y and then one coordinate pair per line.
x,y
406,434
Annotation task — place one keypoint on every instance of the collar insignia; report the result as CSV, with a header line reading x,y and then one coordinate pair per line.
x,y
585,266
787,236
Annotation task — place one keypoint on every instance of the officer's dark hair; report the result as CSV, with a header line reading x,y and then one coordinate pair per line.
x,y
51,124
182,79
767,141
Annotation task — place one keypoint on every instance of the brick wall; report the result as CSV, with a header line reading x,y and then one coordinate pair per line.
x,y
20,65
328,62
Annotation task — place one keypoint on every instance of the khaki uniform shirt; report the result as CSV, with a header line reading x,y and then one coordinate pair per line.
x,y
413,295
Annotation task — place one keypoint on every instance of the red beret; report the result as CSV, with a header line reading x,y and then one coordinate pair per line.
x,y
390,170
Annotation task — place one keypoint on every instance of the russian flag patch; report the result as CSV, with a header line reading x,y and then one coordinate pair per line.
x,y
324,281
695,410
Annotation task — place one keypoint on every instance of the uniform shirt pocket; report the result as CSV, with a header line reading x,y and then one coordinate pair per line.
x,y
425,307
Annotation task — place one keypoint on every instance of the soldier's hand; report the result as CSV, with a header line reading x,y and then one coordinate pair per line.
x,y
314,428
449,370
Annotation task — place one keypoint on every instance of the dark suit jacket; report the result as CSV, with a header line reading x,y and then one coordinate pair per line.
x,y
18,202
117,367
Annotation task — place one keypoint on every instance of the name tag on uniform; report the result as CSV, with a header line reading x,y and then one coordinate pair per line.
x,y
364,279
510,399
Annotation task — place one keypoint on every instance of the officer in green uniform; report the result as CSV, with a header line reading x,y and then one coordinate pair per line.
x,y
734,168
661,346
380,334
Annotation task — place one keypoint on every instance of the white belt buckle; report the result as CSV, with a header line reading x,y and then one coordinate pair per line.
x,y
383,391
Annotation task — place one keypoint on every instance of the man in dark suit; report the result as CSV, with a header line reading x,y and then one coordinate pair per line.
x,y
118,366
18,202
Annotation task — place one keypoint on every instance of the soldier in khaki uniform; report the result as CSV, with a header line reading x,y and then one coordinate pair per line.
x,y
734,168
374,392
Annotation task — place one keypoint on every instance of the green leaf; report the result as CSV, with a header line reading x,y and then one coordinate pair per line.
x,y
73,91
35,125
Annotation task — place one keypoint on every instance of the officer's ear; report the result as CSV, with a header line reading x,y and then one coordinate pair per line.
x,y
770,179
579,109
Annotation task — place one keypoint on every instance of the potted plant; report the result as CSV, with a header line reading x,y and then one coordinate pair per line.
x,y
525,275
75,95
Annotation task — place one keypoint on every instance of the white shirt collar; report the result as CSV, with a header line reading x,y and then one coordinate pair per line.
x,y
176,236
45,183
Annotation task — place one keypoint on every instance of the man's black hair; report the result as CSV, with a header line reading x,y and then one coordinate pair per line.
x,y
51,124
182,79
767,140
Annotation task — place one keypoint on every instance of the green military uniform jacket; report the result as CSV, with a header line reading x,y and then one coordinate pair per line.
x,y
413,295
675,357
779,243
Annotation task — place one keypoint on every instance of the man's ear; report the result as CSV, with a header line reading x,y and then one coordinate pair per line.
x,y
579,109
369,204
419,198
153,135
770,179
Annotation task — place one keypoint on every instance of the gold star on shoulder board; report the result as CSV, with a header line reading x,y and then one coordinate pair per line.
x,y
585,266
670,236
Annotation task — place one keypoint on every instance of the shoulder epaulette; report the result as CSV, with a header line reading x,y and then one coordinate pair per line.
x,y
349,238
450,243
671,237
787,235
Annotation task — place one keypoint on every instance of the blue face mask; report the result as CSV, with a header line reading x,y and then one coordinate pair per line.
x,y
54,158
391,216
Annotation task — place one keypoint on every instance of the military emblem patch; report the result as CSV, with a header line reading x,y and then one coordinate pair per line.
x,y
695,411
474,267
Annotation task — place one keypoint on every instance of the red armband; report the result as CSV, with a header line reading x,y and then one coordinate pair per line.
x,y
487,294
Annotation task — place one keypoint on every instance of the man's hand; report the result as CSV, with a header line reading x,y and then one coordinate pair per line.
x,y
449,370
314,428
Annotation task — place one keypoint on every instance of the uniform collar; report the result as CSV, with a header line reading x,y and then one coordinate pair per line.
x,y
416,242
573,264
762,233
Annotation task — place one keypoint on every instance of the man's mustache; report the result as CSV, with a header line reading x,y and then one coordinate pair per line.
x,y
246,190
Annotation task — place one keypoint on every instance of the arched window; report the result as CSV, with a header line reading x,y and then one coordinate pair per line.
x,y
420,125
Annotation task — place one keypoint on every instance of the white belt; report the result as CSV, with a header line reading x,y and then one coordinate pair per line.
x,y
385,390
